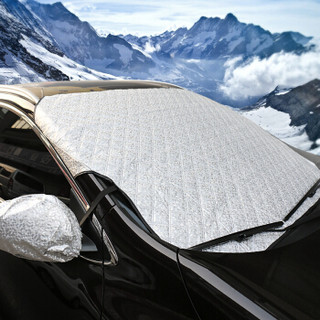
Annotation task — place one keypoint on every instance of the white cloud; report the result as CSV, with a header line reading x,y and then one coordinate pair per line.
x,y
260,76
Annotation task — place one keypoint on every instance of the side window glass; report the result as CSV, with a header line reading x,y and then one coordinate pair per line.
x,y
26,167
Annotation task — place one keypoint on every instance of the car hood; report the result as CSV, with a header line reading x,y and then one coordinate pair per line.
x,y
283,281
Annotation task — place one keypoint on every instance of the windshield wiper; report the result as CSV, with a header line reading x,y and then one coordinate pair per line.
x,y
270,227
240,236
309,194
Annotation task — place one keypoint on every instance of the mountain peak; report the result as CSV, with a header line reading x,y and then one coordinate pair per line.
x,y
204,24
59,5
203,18
230,17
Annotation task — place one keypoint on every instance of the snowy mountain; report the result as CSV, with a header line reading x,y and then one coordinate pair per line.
x,y
201,58
29,53
80,42
292,115
46,41
214,38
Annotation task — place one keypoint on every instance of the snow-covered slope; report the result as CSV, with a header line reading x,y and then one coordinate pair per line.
x,y
278,124
292,115
29,53
73,70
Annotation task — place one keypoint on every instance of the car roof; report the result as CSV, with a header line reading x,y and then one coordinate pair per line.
x,y
26,96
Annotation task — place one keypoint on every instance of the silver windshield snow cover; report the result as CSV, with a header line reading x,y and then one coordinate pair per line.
x,y
195,169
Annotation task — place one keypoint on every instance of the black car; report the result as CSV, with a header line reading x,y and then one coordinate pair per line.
x,y
187,209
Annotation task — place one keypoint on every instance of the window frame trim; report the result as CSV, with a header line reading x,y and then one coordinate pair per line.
x,y
11,106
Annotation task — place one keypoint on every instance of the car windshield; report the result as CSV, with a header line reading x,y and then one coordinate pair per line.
x,y
196,170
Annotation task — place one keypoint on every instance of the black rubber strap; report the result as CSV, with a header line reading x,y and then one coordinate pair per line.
x,y
96,201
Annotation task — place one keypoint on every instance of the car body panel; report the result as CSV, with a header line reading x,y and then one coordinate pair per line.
x,y
38,290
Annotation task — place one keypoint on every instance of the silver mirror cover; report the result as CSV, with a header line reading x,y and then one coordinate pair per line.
x,y
39,227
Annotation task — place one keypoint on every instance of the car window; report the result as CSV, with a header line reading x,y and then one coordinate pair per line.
x,y
27,166
5,173
29,181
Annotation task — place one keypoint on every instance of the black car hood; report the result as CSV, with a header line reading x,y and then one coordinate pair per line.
x,y
284,281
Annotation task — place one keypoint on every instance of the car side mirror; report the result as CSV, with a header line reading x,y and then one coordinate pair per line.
x,y
39,227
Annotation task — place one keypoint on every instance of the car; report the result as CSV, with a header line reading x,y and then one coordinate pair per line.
x,y
155,203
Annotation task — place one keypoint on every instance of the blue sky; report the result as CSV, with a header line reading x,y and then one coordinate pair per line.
x,y
145,17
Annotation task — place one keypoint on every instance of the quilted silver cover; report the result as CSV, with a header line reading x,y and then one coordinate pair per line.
x,y
39,227
196,170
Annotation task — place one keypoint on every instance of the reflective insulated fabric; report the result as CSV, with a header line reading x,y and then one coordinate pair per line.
x,y
195,169
39,227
